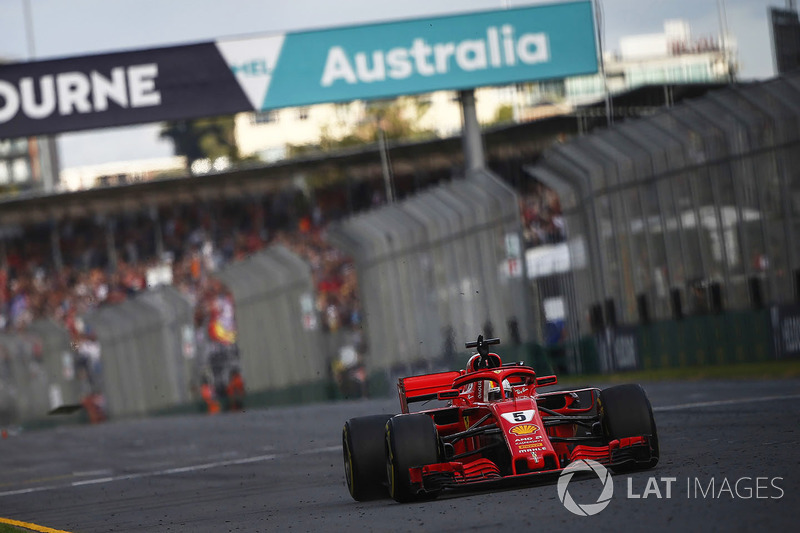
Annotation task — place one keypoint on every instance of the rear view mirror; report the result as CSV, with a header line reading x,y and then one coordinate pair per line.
x,y
546,380
448,394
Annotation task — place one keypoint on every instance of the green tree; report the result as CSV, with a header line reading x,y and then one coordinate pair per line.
x,y
391,116
202,138
503,114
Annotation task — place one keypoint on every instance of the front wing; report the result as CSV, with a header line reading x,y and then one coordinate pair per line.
x,y
483,474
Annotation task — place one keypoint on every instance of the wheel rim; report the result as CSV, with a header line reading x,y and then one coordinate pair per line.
x,y
348,462
390,464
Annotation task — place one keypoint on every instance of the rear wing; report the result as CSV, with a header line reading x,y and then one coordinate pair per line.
x,y
424,388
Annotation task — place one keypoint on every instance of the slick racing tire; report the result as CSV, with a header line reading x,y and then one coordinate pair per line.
x,y
411,440
365,456
627,413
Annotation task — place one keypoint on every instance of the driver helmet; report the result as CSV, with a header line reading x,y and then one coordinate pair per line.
x,y
494,392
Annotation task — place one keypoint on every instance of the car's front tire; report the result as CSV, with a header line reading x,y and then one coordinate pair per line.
x,y
627,412
365,456
411,441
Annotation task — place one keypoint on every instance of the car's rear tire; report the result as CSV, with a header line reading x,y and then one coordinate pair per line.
x,y
365,456
411,440
627,412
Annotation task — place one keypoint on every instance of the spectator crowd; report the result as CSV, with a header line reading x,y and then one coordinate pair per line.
x,y
194,240
542,219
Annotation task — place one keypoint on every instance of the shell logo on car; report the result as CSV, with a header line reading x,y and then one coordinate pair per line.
x,y
524,429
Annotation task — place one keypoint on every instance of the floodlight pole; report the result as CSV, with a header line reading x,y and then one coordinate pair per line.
x,y
42,146
26,9
471,138
475,162
599,38
388,180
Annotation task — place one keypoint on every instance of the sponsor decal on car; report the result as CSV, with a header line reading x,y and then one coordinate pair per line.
x,y
519,416
531,446
523,440
524,429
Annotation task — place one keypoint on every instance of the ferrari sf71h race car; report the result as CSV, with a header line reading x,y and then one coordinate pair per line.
x,y
494,428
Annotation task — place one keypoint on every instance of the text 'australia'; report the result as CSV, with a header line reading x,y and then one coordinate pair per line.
x,y
500,48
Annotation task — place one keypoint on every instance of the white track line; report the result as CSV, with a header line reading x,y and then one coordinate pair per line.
x,y
326,449
170,471
167,472
714,403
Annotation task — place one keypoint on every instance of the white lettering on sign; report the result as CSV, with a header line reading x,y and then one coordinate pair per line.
x,y
625,352
500,48
109,89
790,328
142,85
76,92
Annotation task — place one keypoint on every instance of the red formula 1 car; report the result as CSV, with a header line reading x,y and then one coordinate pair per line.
x,y
495,428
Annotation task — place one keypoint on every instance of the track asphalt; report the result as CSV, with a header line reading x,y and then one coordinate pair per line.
x,y
729,461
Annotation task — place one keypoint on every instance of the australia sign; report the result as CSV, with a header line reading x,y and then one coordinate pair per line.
x,y
296,69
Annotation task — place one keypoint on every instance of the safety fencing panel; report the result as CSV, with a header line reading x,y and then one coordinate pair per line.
x,y
436,270
279,341
176,336
9,410
142,352
65,385
26,391
691,211
36,373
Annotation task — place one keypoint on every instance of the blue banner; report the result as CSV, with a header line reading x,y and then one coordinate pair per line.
x,y
416,56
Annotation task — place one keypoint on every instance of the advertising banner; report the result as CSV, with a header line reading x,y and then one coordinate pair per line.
x,y
116,90
618,349
295,69
786,330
